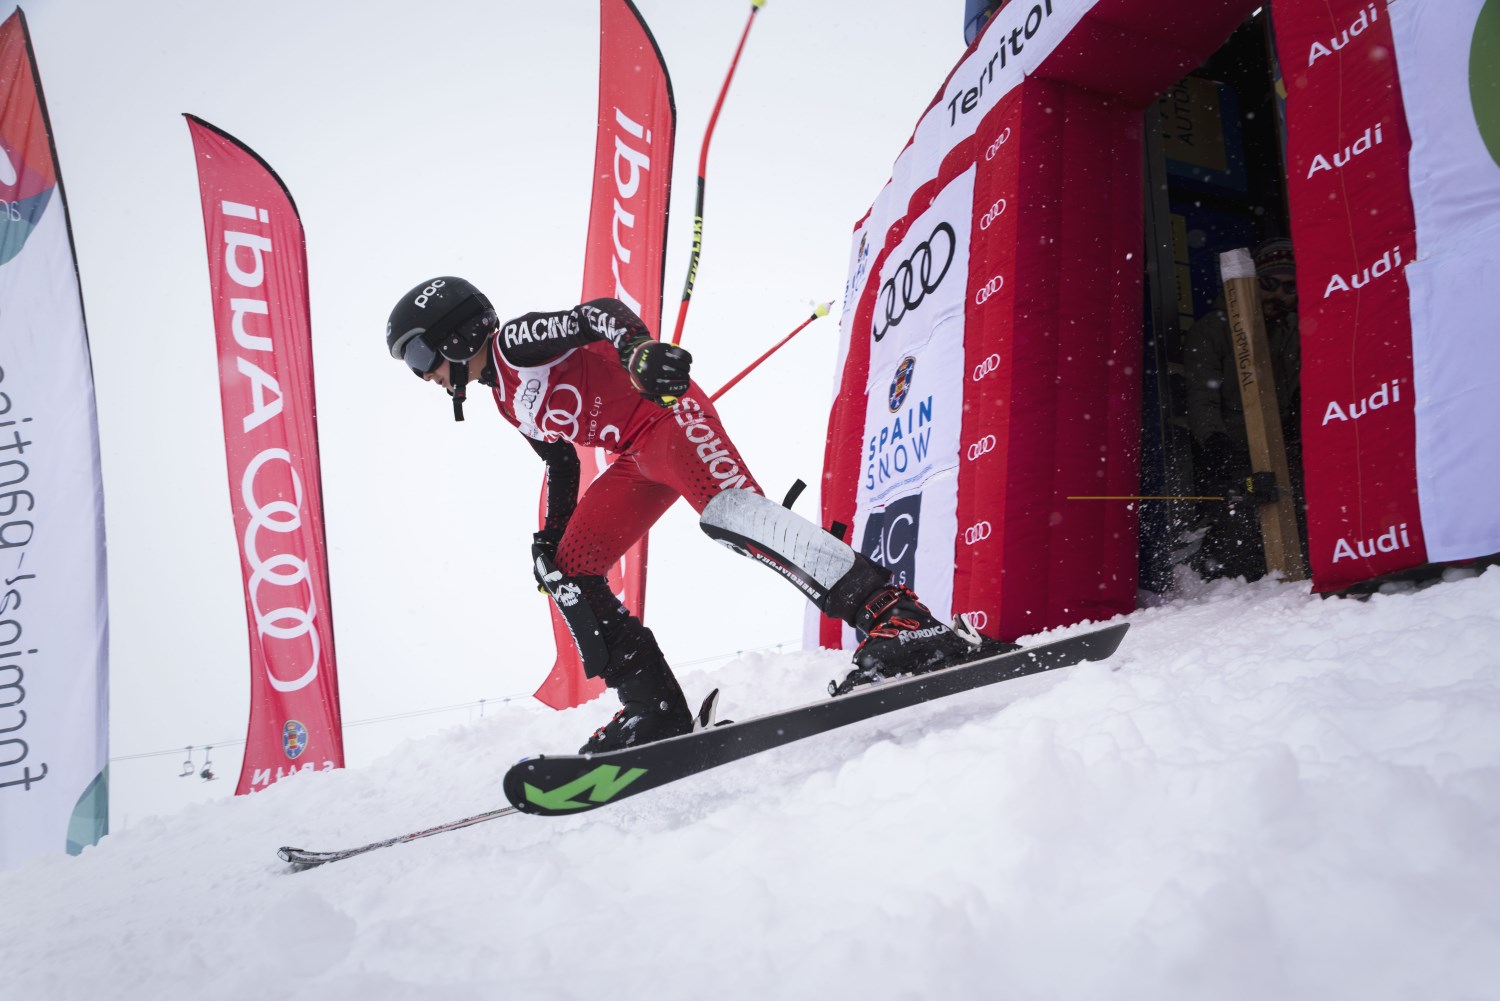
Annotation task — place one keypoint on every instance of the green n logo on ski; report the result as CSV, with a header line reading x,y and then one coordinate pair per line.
x,y
604,781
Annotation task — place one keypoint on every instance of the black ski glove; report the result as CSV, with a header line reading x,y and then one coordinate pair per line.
x,y
658,371
544,543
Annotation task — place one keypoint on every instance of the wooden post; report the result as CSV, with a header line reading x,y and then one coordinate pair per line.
x,y
1252,355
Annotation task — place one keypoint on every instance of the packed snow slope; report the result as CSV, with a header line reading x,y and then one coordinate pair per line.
x,y
1262,795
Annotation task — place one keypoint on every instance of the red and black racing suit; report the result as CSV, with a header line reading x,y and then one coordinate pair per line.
x,y
561,379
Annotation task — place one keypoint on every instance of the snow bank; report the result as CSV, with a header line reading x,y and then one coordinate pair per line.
x,y
1263,794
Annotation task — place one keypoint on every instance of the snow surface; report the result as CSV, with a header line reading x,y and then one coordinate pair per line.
x,y
1264,794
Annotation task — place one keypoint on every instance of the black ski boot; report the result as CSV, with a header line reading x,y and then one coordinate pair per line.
x,y
652,703
652,708
902,637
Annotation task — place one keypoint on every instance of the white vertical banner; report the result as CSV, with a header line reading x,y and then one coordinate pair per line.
x,y
1448,56
53,614
906,513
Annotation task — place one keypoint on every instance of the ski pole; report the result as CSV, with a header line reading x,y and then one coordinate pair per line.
x,y
820,310
692,273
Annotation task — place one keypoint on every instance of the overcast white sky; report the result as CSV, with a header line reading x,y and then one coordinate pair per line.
x,y
446,137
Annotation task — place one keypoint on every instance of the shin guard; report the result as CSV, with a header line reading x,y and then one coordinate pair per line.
x,y
833,576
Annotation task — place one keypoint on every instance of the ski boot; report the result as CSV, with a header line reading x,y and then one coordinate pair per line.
x,y
902,638
652,707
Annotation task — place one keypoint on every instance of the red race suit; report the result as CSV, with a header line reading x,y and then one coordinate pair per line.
x,y
560,378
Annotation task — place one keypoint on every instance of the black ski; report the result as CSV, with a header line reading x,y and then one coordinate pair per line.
x,y
302,858
563,784
553,785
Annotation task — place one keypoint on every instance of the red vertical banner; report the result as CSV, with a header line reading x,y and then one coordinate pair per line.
x,y
1355,232
626,253
257,266
1051,413
624,257
989,365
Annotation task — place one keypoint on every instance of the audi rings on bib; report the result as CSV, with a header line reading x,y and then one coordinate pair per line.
x,y
984,446
977,533
558,421
914,280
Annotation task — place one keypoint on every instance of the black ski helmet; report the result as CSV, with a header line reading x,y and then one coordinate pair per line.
x,y
447,315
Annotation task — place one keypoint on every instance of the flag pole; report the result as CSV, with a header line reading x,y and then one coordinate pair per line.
x,y
692,273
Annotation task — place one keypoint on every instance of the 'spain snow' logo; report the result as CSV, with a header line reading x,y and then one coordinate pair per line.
x,y
899,451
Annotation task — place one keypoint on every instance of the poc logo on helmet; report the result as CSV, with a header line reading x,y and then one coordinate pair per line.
x,y
421,300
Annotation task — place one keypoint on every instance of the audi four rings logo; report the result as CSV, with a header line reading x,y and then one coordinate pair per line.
x,y
288,622
984,368
914,279
996,211
988,289
977,533
976,619
994,149
528,394
983,446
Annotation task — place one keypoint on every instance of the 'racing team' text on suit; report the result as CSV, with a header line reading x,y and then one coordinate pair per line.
x,y
560,379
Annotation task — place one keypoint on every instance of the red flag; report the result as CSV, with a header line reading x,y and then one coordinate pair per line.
x,y
626,253
1369,492
257,267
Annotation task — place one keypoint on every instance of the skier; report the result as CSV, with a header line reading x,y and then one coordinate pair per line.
x,y
593,376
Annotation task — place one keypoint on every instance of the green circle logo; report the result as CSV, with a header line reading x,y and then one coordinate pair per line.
x,y
1484,76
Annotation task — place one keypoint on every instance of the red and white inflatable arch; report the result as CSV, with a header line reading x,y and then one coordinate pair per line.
x,y
991,337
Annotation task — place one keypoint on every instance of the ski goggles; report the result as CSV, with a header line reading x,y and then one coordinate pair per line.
x,y
1271,283
464,340
420,356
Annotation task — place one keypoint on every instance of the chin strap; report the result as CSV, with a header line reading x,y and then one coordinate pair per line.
x,y
458,376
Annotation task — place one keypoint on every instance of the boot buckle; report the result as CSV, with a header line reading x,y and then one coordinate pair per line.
x,y
964,630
